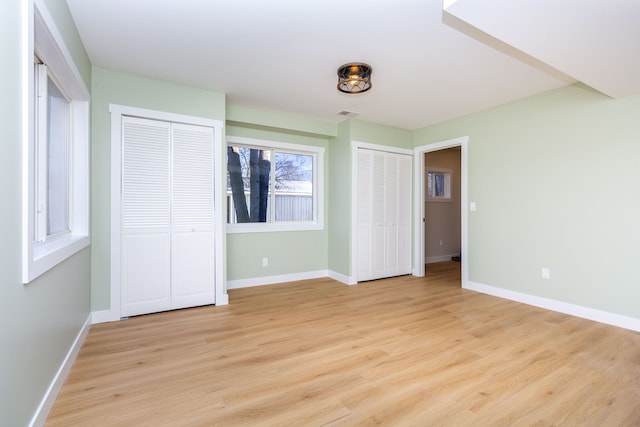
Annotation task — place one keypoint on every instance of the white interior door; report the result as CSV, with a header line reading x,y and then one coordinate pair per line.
x,y
167,216
192,272
384,214
145,216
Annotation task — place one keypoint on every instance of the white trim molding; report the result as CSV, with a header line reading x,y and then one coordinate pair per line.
x,y
102,316
271,280
440,258
596,315
49,398
342,278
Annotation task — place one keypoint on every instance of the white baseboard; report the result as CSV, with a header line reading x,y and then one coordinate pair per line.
x,y
50,395
269,280
340,277
222,299
614,319
102,316
439,258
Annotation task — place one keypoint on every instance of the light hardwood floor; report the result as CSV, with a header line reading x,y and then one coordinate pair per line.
x,y
402,351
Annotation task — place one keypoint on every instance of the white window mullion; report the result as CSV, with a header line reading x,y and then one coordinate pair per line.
x,y
272,186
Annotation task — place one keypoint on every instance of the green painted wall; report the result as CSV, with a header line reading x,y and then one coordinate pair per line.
x,y
113,87
339,196
249,117
38,321
288,252
380,134
311,250
340,182
555,178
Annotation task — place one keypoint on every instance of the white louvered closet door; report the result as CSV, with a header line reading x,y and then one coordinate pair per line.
x,y
167,216
384,214
146,216
365,218
192,275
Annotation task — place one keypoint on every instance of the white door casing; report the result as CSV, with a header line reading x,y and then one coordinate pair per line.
x,y
419,197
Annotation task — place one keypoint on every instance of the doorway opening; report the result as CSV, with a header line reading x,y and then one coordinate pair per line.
x,y
440,208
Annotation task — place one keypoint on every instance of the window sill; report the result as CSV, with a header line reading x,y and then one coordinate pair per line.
x,y
271,227
49,254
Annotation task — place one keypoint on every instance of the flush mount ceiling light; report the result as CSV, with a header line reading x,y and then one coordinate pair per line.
x,y
354,77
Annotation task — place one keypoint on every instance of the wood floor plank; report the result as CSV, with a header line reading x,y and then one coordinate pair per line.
x,y
402,351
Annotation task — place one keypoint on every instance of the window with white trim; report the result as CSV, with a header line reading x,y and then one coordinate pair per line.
x,y
273,186
56,153
438,185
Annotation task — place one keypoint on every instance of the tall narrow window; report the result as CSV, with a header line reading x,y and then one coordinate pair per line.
x,y
55,181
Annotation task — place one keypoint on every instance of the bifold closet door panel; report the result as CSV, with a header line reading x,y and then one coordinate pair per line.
x,y
145,273
167,216
384,214
145,234
192,249
192,269
405,190
366,233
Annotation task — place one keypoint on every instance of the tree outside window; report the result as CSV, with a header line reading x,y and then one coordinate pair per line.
x,y
269,185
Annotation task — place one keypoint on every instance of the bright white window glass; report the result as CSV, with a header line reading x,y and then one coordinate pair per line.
x,y
57,161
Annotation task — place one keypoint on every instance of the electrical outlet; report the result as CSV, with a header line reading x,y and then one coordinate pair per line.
x,y
546,273
265,262
441,242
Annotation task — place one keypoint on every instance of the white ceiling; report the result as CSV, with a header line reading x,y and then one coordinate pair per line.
x,y
428,65
595,41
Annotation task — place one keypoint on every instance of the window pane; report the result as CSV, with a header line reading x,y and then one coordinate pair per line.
x,y
439,187
294,187
57,161
248,184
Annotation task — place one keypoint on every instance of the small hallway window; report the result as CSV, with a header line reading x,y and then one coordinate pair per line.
x,y
438,185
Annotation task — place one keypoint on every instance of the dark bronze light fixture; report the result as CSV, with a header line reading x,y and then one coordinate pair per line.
x,y
354,77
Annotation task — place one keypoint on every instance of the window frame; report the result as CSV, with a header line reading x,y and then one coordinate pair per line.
x,y
447,173
42,39
317,223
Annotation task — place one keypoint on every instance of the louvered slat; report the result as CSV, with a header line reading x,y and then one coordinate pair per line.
x,y
145,173
192,175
